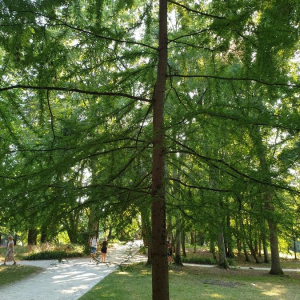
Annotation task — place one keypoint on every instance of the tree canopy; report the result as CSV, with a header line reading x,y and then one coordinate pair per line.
x,y
110,107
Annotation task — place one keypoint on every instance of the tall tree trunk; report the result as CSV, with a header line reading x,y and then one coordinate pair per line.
x,y
252,250
32,236
250,241
265,248
94,208
275,260
146,232
242,229
192,237
268,203
160,275
245,252
212,248
229,252
183,243
178,242
195,242
222,261
44,234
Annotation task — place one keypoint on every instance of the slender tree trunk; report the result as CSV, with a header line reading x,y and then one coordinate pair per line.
x,y
275,261
259,247
178,242
160,275
229,252
212,248
222,261
264,244
268,203
146,232
243,241
295,248
183,243
192,237
252,250
245,252
32,236
44,234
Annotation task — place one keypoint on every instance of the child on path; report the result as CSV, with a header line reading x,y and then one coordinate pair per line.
x,y
10,251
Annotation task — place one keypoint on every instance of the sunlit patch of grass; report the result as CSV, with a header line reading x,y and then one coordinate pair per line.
x,y
12,273
189,283
217,296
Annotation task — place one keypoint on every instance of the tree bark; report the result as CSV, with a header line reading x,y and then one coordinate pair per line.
x,y
267,198
32,236
264,242
160,276
146,232
183,243
275,260
222,261
178,242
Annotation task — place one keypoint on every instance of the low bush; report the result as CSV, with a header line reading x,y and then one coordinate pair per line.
x,y
204,260
52,255
199,260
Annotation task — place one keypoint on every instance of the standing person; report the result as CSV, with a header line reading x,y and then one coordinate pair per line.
x,y
170,253
10,251
104,250
93,246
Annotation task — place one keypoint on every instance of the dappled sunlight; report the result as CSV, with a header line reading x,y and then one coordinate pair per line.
x,y
73,290
274,292
145,272
68,279
217,296
123,273
2,268
271,289
177,273
64,275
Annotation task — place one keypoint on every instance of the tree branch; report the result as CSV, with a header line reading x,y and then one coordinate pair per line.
x,y
237,79
196,11
72,90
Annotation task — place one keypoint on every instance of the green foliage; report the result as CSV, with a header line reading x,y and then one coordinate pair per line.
x,y
78,79
199,260
59,255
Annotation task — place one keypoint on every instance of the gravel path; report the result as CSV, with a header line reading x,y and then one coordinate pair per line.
x,y
68,280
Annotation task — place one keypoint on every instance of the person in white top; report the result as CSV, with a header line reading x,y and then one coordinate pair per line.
x,y
93,246
10,251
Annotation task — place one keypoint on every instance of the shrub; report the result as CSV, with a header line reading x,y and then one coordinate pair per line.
x,y
52,255
199,260
205,261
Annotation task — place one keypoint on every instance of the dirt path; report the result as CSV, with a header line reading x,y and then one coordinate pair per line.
x,y
69,280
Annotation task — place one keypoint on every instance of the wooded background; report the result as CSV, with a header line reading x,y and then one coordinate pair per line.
x,y
163,116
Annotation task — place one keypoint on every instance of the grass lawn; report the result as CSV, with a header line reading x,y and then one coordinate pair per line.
x,y
198,283
10,274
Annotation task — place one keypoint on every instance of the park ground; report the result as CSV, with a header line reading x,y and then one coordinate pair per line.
x,y
244,280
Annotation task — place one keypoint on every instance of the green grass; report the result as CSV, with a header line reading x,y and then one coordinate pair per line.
x,y
189,283
12,273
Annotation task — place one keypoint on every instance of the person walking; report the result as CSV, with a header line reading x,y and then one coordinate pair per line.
x,y
10,251
93,247
104,249
170,252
